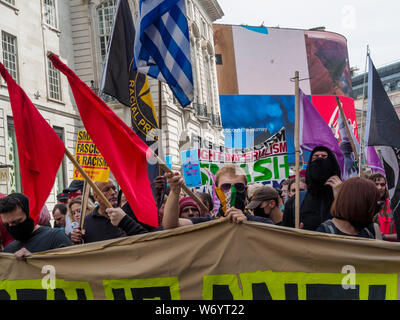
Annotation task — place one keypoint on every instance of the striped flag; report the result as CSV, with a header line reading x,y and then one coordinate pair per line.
x,y
162,46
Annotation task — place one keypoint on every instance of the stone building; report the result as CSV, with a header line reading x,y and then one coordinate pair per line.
x,y
78,31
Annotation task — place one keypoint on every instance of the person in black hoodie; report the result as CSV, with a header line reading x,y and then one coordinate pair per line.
x,y
322,179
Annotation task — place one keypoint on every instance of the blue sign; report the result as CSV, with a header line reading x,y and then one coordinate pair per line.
x,y
191,168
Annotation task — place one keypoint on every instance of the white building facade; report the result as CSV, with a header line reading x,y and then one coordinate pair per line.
x,y
78,31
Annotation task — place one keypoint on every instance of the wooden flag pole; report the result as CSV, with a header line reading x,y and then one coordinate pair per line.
x,y
160,123
353,146
297,150
85,200
87,178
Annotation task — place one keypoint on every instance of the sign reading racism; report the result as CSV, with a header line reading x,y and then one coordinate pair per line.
x,y
265,163
283,264
90,159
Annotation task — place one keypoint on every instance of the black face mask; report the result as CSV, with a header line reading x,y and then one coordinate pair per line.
x,y
22,231
259,212
321,170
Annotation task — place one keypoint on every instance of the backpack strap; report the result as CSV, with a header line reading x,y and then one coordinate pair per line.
x,y
328,227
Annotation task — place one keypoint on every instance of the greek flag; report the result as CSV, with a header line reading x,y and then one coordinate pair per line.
x,y
162,46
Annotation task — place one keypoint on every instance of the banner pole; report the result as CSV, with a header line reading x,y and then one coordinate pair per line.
x,y
160,124
297,150
342,114
362,147
84,203
87,178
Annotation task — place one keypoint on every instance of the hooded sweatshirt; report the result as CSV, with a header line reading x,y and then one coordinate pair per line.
x,y
317,203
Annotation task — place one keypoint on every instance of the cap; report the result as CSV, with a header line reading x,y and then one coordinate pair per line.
x,y
262,194
62,196
187,202
74,186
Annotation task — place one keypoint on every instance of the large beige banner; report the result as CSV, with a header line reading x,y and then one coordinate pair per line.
x,y
215,260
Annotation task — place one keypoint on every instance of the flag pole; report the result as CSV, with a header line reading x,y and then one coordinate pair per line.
x,y
297,150
160,124
353,146
362,147
84,203
87,178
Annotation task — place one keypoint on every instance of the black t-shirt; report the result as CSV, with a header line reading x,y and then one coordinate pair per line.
x,y
329,227
42,239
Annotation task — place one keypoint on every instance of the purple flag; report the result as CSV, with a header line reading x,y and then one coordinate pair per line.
x,y
373,161
314,131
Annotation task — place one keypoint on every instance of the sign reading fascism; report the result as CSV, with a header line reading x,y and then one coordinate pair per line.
x,y
90,159
283,264
266,163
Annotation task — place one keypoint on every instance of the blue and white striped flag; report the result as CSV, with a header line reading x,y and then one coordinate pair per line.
x,y
162,46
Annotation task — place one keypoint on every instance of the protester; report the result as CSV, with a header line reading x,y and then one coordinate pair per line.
x,y
29,238
265,204
353,210
188,208
281,202
285,190
62,198
5,236
59,215
228,177
75,189
107,223
292,186
74,212
207,200
323,182
385,216
44,217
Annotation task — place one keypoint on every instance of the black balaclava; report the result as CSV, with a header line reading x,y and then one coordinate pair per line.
x,y
320,170
23,230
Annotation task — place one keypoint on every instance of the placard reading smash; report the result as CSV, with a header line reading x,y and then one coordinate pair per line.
x,y
90,159
266,163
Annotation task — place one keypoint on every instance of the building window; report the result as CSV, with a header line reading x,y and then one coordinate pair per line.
x,y
50,12
14,184
105,13
208,79
194,71
10,57
61,180
10,1
54,82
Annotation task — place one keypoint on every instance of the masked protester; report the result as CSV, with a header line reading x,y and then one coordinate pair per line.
x,y
29,238
357,202
323,182
265,205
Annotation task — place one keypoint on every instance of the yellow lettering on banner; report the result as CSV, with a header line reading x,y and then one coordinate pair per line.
x,y
33,290
142,289
298,286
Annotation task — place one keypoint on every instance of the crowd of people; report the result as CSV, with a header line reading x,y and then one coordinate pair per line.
x,y
356,207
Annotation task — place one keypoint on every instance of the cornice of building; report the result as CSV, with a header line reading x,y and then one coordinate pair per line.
x,y
213,9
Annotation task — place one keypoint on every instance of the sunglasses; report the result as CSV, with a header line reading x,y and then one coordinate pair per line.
x,y
240,187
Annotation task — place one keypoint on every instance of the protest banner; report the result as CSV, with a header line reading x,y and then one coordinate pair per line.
x,y
266,163
90,159
283,263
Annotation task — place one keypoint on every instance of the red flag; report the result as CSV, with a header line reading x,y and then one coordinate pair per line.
x,y
40,150
123,150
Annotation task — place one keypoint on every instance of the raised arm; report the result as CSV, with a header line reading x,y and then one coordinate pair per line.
x,y
171,211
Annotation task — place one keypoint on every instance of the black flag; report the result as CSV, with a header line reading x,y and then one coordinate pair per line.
x,y
128,86
383,130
